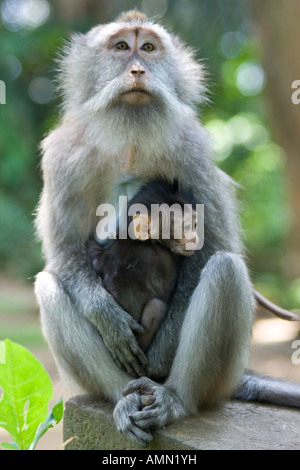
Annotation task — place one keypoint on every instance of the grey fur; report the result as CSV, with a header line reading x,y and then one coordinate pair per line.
x,y
256,387
202,346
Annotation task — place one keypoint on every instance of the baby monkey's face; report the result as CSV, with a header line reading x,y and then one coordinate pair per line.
x,y
186,225
175,230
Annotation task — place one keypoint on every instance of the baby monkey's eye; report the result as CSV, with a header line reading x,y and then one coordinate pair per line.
x,y
122,46
148,47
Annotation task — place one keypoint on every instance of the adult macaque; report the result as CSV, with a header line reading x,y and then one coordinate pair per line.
x,y
130,94
141,272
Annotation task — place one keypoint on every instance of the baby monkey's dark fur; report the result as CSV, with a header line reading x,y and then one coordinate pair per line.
x,y
141,275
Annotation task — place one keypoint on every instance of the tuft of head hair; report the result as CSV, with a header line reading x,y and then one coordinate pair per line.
x,y
132,16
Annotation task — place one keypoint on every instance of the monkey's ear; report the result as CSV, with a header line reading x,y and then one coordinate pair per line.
x,y
141,224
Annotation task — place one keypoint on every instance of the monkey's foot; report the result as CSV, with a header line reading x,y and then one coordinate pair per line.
x,y
123,409
160,404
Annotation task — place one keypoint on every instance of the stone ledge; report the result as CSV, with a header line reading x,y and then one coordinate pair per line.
x,y
234,426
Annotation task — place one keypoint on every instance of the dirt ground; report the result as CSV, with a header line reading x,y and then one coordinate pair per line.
x,y
271,350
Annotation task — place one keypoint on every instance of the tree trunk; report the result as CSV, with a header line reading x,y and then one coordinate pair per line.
x,y
279,24
70,11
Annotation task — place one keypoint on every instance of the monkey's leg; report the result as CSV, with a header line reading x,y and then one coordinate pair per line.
x,y
213,346
152,316
214,343
80,354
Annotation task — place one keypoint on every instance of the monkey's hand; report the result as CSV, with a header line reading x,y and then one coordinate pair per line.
x,y
160,404
124,423
118,335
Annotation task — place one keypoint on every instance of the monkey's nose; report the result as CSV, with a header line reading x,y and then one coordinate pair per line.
x,y
137,70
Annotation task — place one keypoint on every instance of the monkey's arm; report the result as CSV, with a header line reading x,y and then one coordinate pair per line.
x,y
115,326
65,222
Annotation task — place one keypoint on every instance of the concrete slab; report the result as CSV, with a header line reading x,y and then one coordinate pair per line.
x,y
234,426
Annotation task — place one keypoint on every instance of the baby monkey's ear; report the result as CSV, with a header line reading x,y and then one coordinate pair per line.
x,y
142,225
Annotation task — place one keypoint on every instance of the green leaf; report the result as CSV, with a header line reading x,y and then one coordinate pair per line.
x,y
10,446
27,390
54,417
58,411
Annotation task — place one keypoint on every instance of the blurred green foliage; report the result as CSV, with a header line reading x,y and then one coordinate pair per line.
x,y
23,122
221,33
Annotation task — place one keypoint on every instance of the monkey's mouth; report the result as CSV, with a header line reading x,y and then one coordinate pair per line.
x,y
136,90
136,96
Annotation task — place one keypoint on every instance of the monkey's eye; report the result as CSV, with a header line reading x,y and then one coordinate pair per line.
x,y
148,47
122,46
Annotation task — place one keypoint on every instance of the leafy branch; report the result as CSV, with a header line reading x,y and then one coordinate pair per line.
x,y
26,391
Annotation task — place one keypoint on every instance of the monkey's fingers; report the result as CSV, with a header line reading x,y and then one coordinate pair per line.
x,y
125,425
145,419
123,364
135,364
119,363
129,363
139,353
137,328
148,400
126,366
131,388
135,347
143,385
139,436
133,324
134,369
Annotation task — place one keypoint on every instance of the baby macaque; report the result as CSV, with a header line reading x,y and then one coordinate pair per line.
x,y
141,271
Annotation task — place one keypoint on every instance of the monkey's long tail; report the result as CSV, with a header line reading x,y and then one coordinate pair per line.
x,y
260,388
278,311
